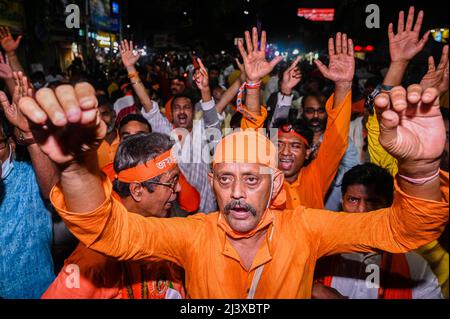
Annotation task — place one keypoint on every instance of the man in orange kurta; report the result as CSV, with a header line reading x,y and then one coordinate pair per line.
x,y
247,249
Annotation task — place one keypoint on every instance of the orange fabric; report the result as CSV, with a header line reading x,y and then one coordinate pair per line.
x,y
188,197
102,277
106,152
315,179
148,170
214,269
358,106
168,110
259,120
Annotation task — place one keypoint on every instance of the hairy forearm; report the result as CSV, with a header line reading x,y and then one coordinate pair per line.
x,y
395,73
340,92
228,96
140,90
14,62
252,100
47,174
82,186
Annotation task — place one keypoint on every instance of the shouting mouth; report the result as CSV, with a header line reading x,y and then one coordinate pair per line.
x,y
285,164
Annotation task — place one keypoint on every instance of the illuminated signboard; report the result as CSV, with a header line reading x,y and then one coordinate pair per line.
x,y
316,14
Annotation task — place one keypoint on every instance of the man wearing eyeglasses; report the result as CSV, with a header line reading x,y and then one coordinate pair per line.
x,y
146,184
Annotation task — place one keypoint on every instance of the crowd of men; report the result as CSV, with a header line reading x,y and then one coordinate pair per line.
x,y
222,178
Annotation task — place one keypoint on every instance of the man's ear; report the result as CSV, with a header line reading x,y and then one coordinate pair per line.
x,y
308,153
278,180
136,191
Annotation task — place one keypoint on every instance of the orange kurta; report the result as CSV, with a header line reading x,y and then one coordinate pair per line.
x,y
103,277
212,266
315,179
106,152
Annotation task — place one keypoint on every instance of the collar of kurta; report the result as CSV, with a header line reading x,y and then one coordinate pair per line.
x,y
266,220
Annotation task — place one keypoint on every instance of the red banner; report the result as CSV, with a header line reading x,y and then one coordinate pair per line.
x,y
316,14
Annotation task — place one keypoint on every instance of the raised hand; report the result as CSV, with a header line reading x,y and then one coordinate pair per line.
x,y
412,129
255,63
13,114
437,77
129,58
5,69
201,77
7,41
65,122
341,67
291,77
404,45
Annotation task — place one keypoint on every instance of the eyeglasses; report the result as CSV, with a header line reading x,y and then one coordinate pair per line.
x,y
3,144
172,185
311,111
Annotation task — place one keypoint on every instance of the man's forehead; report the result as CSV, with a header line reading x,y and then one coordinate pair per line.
x,y
182,101
288,138
238,168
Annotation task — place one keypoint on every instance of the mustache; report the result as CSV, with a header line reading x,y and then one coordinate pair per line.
x,y
241,204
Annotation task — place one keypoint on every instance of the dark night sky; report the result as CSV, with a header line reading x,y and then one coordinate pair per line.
x,y
215,23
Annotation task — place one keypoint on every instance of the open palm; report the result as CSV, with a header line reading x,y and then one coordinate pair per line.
x,y
404,45
341,67
129,58
7,41
255,63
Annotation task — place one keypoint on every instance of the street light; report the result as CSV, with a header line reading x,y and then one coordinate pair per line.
x,y
295,52
246,12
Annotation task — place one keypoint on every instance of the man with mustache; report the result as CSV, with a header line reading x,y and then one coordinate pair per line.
x,y
108,148
194,145
308,184
146,190
270,254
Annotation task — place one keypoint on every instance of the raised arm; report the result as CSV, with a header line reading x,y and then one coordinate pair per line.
x,y
341,67
231,92
46,172
10,46
412,130
6,73
256,67
151,110
404,46
67,127
341,70
129,59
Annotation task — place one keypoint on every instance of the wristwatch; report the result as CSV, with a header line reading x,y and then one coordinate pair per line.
x,y
25,141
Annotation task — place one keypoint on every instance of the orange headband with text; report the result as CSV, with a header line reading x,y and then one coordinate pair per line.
x,y
148,170
304,140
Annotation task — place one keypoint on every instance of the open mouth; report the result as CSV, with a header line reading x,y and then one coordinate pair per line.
x,y
182,120
240,213
285,164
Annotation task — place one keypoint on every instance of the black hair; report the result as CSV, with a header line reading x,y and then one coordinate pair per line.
x,y
135,150
182,95
374,177
5,127
236,119
298,125
103,100
179,78
320,97
134,117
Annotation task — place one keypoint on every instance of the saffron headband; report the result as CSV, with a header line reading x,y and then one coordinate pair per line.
x,y
143,172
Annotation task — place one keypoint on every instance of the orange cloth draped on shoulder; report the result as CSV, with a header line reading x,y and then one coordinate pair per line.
x,y
188,197
315,179
106,152
200,243
102,277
